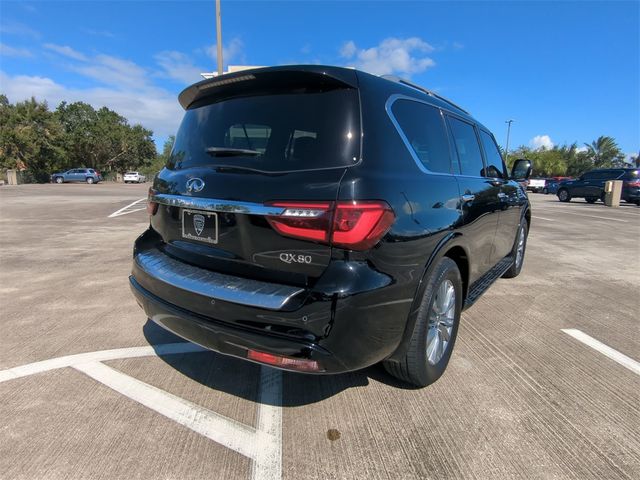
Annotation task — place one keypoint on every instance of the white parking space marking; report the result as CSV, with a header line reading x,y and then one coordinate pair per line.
x,y
594,216
543,218
262,444
606,350
124,211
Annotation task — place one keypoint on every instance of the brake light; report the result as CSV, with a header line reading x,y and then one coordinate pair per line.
x,y
152,207
299,364
356,225
633,183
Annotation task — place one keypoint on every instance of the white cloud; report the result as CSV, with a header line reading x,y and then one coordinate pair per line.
x,y
232,51
20,29
541,141
348,49
66,51
581,149
7,51
178,66
98,33
393,55
114,71
152,107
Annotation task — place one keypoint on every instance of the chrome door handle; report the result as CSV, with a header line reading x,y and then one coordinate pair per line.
x,y
468,197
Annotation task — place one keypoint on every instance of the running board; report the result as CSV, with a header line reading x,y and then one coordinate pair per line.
x,y
483,283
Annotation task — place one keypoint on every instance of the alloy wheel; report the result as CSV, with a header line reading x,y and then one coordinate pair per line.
x,y
441,319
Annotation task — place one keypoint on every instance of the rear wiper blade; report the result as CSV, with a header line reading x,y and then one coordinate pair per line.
x,y
231,152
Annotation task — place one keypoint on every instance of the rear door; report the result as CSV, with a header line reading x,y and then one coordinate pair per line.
x,y
479,197
239,159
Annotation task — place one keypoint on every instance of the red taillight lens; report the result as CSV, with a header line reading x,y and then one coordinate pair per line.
x,y
360,225
299,364
633,183
356,225
310,221
152,207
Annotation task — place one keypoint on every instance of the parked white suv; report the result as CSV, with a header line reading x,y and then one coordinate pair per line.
x,y
134,177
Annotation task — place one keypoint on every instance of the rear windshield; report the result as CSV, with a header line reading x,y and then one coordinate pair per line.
x,y
131,173
271,133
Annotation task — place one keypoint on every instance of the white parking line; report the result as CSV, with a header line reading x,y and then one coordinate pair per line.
x,y
262,444
543,218
606,350
595,216
124,211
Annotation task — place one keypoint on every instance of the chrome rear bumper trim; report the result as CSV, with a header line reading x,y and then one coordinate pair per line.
x,y
214,285
216,205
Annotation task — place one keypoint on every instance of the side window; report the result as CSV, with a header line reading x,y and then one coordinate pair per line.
x,y
589,176
466,142
247,136
495,167
425,131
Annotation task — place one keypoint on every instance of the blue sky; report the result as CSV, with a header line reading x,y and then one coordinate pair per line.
x,y
564,71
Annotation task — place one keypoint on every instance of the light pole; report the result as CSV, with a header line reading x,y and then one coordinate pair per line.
x,y
219,36
506,150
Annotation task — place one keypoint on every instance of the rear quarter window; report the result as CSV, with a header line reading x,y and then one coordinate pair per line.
x,y
424,130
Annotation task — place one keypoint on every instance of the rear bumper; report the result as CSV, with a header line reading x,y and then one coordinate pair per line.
x,y
345,331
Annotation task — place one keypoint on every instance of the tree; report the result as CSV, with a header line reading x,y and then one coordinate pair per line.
x,y
31,139
604,152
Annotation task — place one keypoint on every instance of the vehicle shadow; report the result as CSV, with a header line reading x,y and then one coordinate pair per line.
x,y
241,378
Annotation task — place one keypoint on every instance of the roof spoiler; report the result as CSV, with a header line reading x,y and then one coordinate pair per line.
x,y
269,79
431,93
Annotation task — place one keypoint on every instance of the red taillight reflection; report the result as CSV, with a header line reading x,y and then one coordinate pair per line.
x,y
633,183
300,364
356,225
152,207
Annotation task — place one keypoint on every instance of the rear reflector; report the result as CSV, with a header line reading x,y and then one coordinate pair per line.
x,y
152,207
356,225
299,364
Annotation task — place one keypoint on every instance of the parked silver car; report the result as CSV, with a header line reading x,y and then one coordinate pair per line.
x,y
84,175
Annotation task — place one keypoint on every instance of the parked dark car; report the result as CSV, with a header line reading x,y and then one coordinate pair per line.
x,y
590,185
551,186
321,219
84,175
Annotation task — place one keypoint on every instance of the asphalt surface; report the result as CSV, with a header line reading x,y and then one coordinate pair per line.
x,y
521,397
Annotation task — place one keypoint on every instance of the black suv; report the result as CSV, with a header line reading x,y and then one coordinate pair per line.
x,y
321,219
590,185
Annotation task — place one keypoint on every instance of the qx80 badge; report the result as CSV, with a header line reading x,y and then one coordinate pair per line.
x,y
293,258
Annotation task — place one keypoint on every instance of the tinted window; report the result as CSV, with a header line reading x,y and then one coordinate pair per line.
x,y
631,175
466,143
423,126
290,131
492,156
589,176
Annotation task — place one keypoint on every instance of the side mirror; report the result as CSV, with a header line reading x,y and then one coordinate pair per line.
x,y
521,169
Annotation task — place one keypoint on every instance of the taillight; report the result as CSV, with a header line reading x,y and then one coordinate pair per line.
x,y
360,225
299,364
356,225
633,183
152,207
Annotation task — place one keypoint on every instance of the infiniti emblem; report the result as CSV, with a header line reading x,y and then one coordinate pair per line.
x,y
195,185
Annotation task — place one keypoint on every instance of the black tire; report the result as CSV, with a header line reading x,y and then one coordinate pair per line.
x,y
90,180
58,180
602,197
415,368
564,195
545,190
516,266
591,199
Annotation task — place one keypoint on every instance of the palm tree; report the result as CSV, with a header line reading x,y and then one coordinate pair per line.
x,y
603,152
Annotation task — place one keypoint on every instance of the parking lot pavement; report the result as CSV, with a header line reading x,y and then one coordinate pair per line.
x,y
524,395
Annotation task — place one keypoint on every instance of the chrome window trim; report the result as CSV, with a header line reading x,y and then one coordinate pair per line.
x,y
214,285
388,105
216,205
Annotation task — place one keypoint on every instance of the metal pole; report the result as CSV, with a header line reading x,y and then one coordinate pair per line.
x,y
219,36
506,150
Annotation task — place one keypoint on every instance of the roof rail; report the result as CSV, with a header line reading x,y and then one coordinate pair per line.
x,y
431,93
